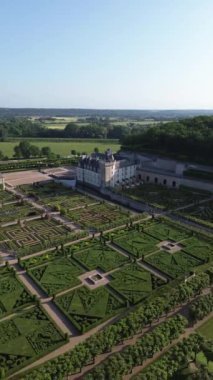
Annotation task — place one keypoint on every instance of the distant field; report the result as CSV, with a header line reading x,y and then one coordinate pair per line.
x,y
63,147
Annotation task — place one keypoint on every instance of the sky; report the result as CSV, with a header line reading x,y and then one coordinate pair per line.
x,y
117,54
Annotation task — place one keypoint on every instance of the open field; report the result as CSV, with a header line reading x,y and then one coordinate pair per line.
x,y
88,308
163,197
12,293
26,337
62,147
134,283
207,329
32,236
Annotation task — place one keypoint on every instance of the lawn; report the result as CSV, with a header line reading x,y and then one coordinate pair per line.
x,y
99,217
26,337
63,147
88,308
134,283
173,264
206,329
16,211
164,197
58,274
135,242
33,236
101,256
12,293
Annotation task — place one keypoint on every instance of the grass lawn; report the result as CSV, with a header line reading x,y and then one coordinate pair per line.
x,y
62,147
206,329
134,283
26,337
56,275
100,256
12,293
88,308
173,264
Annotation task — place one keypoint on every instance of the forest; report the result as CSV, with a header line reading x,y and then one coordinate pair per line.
x,y
187,139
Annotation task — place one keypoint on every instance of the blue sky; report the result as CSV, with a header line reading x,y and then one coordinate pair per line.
x,y
134,54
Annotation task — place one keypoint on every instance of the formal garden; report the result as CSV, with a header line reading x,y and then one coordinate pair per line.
x,y
88,308
25,337
13,295
57,196
17,211
134,283
173,264
98,255
6,197
57,274
200,213
100,217
32,236
162,197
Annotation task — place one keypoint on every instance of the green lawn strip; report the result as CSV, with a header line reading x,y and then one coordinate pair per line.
x,y
88,308
13,294
100,256
26,337
56,275
173,264
206,329
134,283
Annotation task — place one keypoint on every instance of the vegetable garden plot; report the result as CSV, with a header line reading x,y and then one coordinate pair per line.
x,y
56,275
5,196
88,308
31,236
12,293
173,264
134,283
26,337
99,217
98,255
202,213
16,211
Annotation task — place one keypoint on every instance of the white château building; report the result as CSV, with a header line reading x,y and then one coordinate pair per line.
x,y
102,170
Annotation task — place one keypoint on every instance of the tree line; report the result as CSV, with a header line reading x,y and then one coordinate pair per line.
x,y
190,139
151,310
